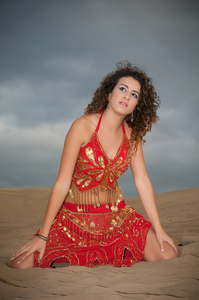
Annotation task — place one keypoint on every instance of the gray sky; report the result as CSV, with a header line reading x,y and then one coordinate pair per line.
x,y
54,53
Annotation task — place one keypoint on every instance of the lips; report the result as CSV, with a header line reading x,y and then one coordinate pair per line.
x,y
124,103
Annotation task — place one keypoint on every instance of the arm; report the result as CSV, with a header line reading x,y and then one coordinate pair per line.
x,y
74,140
146,193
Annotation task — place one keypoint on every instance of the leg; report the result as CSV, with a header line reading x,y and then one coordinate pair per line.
x,y
27,263
152,250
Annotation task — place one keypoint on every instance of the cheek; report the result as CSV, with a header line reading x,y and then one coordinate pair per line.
x,y
134,103
113,95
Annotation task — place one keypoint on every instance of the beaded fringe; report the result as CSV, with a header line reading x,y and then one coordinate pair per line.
x,y
85,199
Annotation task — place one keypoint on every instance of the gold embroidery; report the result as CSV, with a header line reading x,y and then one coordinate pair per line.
x,y
111,177
87,182
113,222
90,155
101,161
99,177
119,161
84,167
92,225
79,181
118,173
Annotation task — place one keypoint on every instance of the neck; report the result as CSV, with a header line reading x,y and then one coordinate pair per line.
x,y
111,120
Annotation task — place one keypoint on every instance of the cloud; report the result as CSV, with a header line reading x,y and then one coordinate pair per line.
x,y
30,156
53,56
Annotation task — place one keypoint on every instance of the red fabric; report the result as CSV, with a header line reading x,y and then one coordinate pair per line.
x,y
97,237
93,167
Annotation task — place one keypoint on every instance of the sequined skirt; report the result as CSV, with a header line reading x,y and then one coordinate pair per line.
x,y
98,237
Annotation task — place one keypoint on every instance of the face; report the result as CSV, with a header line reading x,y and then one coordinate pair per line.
x,y
125,95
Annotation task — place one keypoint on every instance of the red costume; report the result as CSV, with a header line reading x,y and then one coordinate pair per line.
x,y
89,232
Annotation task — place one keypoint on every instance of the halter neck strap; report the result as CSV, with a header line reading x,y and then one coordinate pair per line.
x,y
99,122
98,125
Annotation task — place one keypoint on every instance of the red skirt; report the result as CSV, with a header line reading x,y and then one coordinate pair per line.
x,y
99,236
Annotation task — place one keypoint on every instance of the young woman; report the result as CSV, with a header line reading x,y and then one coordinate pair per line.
x,y
87,221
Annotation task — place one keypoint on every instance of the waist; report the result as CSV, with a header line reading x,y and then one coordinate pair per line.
x,y
92,208
94,197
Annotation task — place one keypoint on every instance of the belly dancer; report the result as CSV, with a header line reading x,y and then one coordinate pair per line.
x,y
87,222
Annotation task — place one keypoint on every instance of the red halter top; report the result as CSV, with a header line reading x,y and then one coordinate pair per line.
x,y
94,168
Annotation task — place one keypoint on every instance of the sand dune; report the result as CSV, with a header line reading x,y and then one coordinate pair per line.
x,y
21,214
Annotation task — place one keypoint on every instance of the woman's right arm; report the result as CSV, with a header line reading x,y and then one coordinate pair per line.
x,y
75,138
73,142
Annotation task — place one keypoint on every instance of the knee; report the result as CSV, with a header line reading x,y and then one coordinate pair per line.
x,y
15,264
169,252
22,265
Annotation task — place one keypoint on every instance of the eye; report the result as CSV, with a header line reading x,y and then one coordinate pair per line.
x,y
135,95
123,89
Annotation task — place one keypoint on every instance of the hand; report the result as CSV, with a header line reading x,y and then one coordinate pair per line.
x,y
36,244
162,237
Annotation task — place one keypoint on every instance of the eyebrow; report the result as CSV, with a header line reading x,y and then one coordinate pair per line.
x,y
128,88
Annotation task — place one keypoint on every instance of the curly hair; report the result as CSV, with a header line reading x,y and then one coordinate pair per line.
x,y
144,114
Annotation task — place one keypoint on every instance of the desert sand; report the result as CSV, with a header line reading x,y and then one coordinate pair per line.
x,y
21,214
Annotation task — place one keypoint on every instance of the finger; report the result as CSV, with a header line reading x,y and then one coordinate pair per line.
x,y
23,257
40,256
19,252
161,245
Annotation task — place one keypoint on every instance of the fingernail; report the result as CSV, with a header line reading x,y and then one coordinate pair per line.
x,y
18,262
162,250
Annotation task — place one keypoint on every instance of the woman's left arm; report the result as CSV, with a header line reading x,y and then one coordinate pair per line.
x,y
146,193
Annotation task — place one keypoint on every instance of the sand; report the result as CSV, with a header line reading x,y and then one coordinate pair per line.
x,y
21,214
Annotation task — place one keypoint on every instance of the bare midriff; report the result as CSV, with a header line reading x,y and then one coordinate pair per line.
x,y
95,197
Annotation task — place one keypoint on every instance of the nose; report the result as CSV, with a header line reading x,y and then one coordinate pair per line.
x,y
127,95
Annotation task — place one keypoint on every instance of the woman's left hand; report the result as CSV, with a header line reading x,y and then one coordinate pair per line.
x,y
162,237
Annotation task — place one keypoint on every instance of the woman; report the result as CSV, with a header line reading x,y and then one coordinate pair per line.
x,y
86,221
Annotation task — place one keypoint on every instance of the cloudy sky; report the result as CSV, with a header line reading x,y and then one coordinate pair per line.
x,y
54,53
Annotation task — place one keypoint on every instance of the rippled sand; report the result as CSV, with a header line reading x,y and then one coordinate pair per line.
x,y
21,214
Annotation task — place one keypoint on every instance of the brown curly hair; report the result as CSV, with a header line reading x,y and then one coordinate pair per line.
x,y
144,114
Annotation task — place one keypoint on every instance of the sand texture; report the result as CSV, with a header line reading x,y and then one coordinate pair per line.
x,y
21,214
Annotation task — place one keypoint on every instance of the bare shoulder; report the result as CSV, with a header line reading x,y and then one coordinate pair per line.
x,y
84,126
86,122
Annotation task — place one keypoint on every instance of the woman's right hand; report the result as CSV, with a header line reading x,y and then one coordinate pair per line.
x,y
36,244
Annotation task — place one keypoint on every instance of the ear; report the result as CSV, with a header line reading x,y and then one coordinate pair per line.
x,y
109,97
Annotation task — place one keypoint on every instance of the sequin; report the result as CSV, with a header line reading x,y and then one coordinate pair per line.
x,y
104,185
83,166
92,225
113,222
119,161
94,172
99,177
101,161
90,155
118,173
87,182
79,181
111,177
